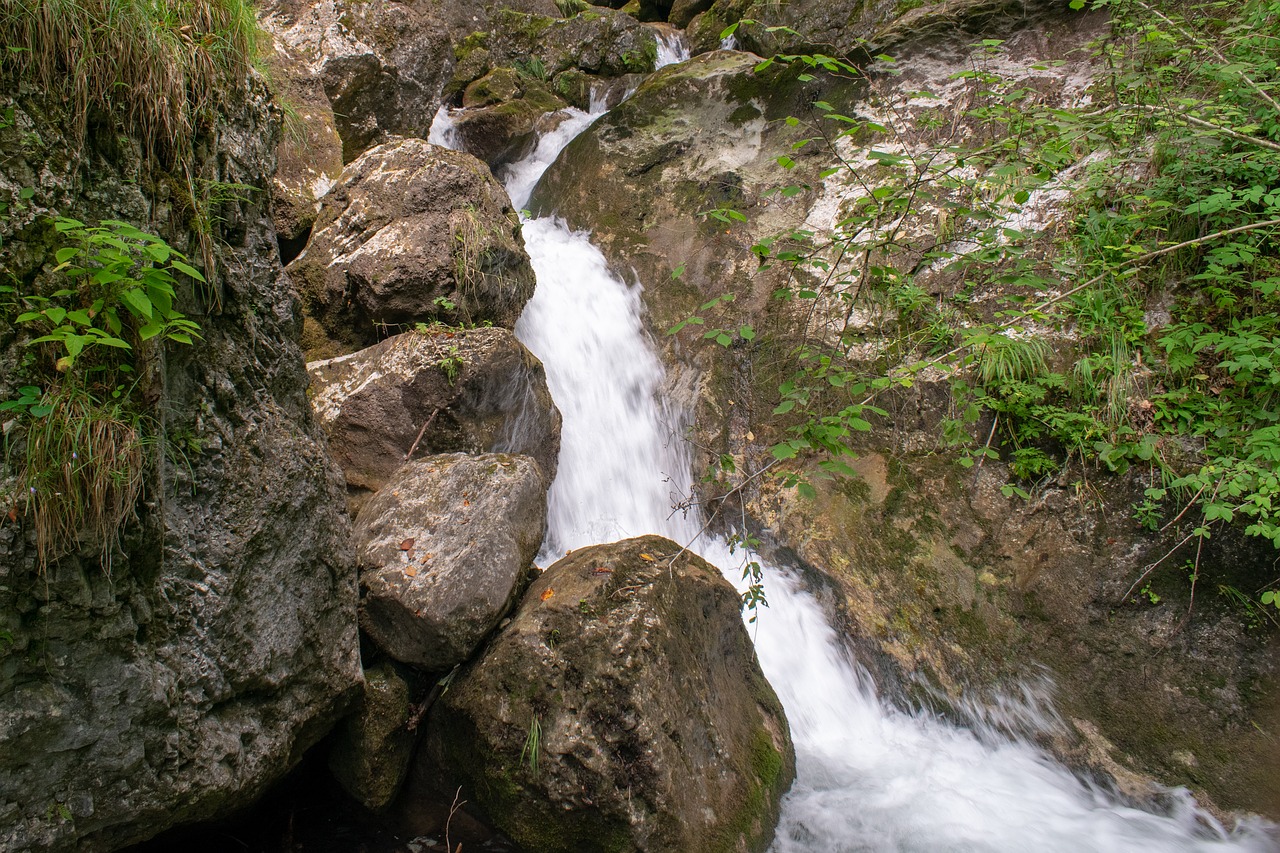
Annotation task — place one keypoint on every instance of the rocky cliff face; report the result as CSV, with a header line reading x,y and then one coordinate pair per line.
x,y
179,681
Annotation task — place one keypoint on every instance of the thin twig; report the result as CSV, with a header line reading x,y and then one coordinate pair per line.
x,y
1192,38
452,811
1195,576
1190,504
1151,568
990,436
422,432
1208,125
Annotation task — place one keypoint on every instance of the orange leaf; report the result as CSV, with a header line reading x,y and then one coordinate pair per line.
x,y
407,545
547,593
648,558
411,571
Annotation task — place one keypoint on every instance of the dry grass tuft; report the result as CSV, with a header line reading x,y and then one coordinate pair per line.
x,y
84,471
160,64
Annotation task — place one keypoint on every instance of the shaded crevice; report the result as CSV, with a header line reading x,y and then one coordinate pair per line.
x,y
291,247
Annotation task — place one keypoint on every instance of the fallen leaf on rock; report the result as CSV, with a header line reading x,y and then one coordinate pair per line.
x,y
407,545
648,558
411,571
601,570
547,593
425,557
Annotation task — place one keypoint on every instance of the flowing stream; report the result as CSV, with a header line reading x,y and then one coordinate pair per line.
x,y
870,777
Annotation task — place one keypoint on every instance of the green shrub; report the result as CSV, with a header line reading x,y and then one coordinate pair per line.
x,y
85,431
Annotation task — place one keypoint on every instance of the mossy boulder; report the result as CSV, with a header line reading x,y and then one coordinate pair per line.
x,y
373,747
412,233
683,12
602,43
502,111
622,709
852,28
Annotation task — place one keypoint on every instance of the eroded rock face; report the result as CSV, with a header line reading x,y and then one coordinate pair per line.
x,y
309,154
481,390
694,137
442,551
412,233
622,709
221,644
382,63
962,587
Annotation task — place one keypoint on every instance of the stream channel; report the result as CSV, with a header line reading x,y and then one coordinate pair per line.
x,y
870,776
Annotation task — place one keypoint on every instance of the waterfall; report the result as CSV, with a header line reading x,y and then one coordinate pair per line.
x,y
870,777
672,48
443,132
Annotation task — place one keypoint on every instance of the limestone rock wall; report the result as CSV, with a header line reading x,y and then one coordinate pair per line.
x,y
179,682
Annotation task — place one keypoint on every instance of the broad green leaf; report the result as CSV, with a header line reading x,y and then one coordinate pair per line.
x,y
188,269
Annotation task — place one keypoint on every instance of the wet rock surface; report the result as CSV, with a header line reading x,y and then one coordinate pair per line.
x,y
179,682
382,63
477,390
373,747
621,709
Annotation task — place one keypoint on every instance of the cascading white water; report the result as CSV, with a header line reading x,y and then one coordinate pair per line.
x,y
869,777
443,132
672,48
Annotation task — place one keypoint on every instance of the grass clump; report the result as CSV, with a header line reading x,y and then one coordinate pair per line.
x,y
159,65
84,471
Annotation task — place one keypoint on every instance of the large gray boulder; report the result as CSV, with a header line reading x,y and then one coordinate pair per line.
x,y
480,389
382,63
178,682
442,551
621,709
411,233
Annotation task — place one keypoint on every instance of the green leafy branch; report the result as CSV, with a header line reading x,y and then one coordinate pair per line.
x,y
85,436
